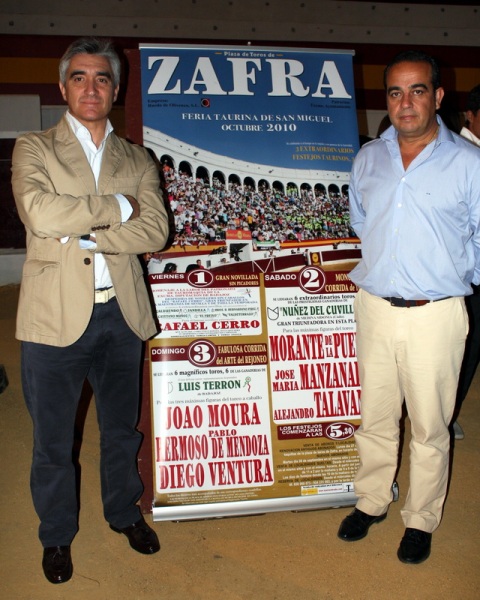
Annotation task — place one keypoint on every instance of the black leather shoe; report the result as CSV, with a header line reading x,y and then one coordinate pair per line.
x,y
57,564
355,526
415,546
142,538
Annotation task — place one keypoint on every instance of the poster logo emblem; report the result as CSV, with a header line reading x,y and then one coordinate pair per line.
x,y
339,431
312,280
202,353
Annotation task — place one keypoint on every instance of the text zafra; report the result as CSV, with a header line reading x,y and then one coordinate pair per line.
x,y
285,76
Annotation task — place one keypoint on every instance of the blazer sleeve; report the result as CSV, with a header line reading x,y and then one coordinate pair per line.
x,y
51,193
150,230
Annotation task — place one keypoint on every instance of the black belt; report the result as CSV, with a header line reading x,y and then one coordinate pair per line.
x,y
402,303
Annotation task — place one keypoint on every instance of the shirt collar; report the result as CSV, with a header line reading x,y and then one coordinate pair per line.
x,y
81,132
444,134
468,135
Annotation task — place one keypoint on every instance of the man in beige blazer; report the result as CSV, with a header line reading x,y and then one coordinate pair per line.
x,y
90,203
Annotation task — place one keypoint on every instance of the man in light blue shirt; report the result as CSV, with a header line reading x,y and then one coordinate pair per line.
x,y
415,205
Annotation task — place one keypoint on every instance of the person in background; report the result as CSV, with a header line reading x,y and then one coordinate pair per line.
x,y
471,129
471,132
90,203
154,265
170,268
415,205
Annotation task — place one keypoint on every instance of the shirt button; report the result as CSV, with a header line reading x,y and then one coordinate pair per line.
x,y
86,261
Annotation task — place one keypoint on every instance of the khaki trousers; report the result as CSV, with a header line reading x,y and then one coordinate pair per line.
x,y
413,354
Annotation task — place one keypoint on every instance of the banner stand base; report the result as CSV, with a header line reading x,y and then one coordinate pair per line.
x,y
250,508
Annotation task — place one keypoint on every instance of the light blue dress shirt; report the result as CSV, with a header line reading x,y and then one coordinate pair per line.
x,y
419,227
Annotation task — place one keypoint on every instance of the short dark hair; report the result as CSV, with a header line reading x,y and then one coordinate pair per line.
x,y
473,100
415,56
170,268
91,45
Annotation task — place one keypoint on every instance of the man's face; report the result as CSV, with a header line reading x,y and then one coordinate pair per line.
x,y
88,89
474,122
411,99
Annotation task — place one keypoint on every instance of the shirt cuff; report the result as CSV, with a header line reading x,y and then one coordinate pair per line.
x,y
87,244
125,207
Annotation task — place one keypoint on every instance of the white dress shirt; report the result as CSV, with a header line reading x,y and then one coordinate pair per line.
x,y
94,156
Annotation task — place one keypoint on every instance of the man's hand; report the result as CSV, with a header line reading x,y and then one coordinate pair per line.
x,y
135,206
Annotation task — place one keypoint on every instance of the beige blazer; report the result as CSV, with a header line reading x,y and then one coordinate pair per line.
x,y
56,197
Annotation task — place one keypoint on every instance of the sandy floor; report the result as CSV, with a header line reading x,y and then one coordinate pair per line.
x,y
276,556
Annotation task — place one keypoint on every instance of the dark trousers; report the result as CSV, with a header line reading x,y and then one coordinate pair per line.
x,y
108,355
471,357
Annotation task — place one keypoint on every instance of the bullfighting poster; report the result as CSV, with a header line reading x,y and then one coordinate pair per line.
x,y
255,392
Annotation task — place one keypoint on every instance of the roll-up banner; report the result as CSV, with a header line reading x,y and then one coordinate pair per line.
x,y
254,379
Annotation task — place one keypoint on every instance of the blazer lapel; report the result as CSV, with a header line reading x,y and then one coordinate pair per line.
x,y
112,156
69,148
